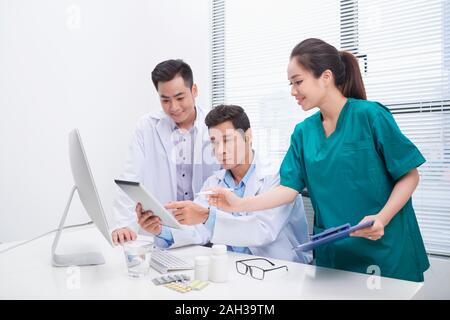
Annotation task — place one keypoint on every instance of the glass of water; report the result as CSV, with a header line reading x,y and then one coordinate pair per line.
x,y
137,257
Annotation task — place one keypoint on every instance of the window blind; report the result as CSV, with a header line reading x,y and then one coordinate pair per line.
x,y
403,50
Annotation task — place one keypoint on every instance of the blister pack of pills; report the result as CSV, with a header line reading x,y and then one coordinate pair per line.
x,y
179,287
170,278
198,284
184,287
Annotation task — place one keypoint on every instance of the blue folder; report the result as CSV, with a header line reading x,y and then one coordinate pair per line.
x,y
331,235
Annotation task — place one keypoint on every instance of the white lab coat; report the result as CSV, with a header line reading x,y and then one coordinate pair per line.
x,y
151,161
270,233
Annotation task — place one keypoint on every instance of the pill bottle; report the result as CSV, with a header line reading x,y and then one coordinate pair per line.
x,y
218,267
201,268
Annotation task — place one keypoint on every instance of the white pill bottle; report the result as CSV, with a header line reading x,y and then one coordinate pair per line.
x,y
218,267
201,268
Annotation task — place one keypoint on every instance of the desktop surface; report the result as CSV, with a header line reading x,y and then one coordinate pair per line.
x,y
26,273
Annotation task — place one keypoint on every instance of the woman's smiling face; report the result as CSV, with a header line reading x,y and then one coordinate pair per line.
x,y
307,89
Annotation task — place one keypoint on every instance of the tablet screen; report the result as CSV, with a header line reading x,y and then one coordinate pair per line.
x,y
138,193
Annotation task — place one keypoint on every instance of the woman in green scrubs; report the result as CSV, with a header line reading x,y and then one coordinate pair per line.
x,y
356,164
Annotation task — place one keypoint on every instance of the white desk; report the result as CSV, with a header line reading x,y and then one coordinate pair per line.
x,y
26,273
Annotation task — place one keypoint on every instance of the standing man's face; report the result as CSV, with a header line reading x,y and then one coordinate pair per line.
x,y
177,100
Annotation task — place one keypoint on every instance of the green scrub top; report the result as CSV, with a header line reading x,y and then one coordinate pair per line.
x,y
350,175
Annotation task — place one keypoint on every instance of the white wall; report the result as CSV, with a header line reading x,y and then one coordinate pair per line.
x,y
59,70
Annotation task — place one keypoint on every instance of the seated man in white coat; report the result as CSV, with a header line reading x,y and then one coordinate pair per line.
x,y
169,153
270,233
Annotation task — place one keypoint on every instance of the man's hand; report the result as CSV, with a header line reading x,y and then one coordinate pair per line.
x,y
148,221
123,235
188,212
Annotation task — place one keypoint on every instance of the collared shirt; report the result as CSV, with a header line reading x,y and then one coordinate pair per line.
x,y
238,190
183,141
184,150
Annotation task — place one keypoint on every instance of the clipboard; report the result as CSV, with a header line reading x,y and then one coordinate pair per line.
x,y
331,235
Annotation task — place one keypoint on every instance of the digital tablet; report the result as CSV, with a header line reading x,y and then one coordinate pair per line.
x,y
138,193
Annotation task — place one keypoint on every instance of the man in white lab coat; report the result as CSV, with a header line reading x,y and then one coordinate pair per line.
x,y
270,233
170,151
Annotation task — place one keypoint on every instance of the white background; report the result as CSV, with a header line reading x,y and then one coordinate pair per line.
x,y
85,64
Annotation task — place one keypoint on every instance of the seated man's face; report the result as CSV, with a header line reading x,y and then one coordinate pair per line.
x,y
177,100
230,146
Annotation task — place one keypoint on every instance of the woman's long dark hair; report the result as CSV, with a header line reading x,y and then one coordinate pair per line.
x,y
317,56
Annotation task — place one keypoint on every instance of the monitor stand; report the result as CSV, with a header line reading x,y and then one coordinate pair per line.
x,y
78,259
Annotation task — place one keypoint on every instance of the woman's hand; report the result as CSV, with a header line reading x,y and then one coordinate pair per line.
x,y
375,232
225,199
188,212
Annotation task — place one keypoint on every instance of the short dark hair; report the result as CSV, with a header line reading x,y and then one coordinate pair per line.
x,y
223,113
169,69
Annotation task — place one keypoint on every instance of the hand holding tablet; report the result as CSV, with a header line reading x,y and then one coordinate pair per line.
x,y
139,194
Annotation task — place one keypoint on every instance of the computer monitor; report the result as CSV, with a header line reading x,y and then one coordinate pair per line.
x,y
85,185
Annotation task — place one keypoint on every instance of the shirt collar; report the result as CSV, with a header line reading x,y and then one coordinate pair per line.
x,y
229,180
175,127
